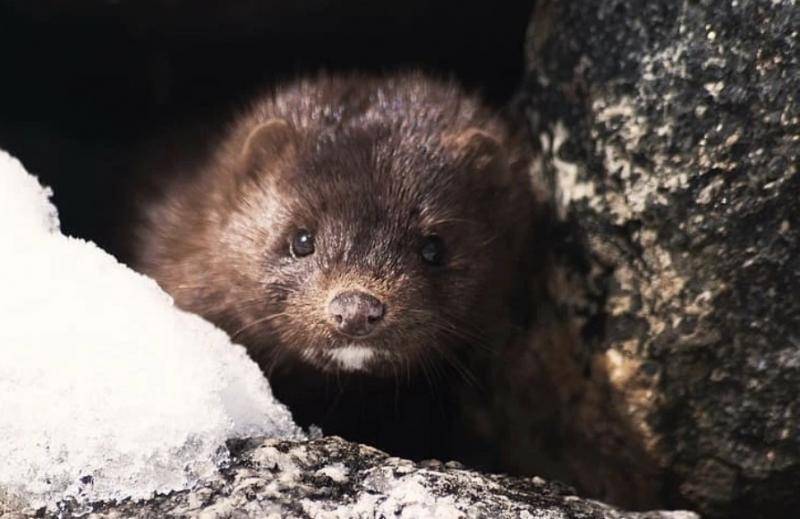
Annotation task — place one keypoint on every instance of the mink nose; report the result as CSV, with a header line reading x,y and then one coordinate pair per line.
x,y
355,313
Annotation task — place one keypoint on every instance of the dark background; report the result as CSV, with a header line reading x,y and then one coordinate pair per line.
x,y
84,84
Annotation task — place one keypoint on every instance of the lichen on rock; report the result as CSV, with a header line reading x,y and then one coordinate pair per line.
x,y
671,132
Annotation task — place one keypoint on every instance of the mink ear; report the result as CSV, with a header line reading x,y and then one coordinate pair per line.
x,y
275,139
476,147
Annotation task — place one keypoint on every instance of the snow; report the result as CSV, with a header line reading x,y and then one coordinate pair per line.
x,y
107,391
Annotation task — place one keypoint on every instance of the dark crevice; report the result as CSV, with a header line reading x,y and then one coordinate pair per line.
x,y
86,83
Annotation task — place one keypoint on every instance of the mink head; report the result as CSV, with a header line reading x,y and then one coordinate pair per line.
x,y
379,231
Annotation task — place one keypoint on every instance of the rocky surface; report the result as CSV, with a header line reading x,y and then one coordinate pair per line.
x,y
333,478
670,133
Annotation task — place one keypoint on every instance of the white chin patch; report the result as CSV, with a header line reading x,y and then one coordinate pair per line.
x,y
351,358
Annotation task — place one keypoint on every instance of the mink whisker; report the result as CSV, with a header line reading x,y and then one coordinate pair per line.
x,y
256,322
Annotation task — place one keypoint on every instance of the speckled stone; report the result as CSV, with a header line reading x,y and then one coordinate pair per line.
x,y
670,132
331,478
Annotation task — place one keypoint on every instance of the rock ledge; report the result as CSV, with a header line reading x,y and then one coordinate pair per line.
x,y
330,477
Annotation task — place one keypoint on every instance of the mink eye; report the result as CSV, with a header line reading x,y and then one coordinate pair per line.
x,y
302,244
433,250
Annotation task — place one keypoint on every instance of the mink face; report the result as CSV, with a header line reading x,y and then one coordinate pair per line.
x,y
354,224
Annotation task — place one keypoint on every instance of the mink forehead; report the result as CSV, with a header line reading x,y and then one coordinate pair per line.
x,y
378,167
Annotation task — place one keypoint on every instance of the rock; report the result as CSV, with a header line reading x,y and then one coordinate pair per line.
x,y
670,134
333,478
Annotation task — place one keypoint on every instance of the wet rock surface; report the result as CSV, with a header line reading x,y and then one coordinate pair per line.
x,y
333,478
670,134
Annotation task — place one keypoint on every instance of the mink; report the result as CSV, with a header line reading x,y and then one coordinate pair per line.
x,y
361,236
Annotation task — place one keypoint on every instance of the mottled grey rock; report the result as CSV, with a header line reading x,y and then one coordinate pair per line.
x,y
670,133
331,478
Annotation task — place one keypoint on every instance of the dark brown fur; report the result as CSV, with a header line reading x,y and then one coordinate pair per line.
x,y
371,166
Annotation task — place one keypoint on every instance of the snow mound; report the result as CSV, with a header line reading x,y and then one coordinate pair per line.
x,y
107,391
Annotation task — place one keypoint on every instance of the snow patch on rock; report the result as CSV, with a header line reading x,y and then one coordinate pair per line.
x,y
107,391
